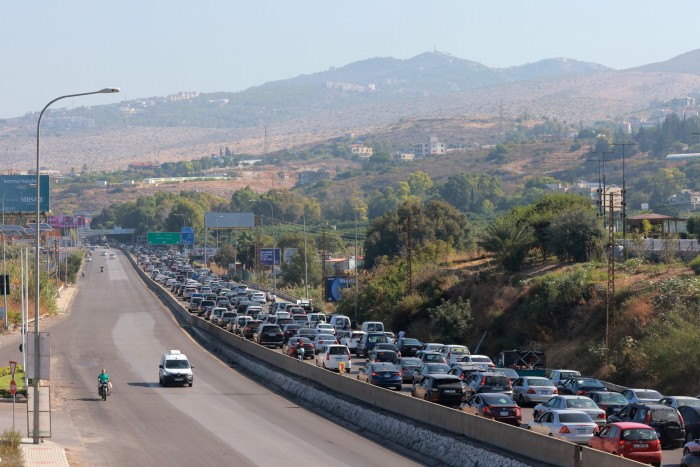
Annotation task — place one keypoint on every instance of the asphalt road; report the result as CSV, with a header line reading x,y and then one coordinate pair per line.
x,y
224,419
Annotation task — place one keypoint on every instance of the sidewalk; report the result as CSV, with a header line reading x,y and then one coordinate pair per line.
x,y
46,453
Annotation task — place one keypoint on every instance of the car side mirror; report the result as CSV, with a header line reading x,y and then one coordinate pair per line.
x,y
597,433
160,366
192,366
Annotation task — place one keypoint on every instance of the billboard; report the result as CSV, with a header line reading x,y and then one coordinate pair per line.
x,y
187,235
163,238
18,193
229,220
267,258
334,286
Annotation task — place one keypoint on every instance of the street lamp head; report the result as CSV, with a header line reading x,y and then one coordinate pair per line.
x,y
109,90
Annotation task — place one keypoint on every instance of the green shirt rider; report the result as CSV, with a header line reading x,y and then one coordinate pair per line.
x,y
104,378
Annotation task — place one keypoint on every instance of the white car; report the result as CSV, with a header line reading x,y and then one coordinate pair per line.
x,y
641,395
454,353
330,357
563,402
574,426
324,328
258,297
352,339
322,340
479,360
677,401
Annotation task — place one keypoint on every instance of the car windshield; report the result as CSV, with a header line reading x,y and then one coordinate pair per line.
x,y
446,382
580,404
665,415
689,402
481,359
383,367
459,350
495,381
411,361
648,395
574,418
497,399
438,368
568,374
409,341
590,382
338,350
175,364
539,382
612,398
636,434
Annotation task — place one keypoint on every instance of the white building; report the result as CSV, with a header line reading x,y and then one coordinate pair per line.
x,y
432,147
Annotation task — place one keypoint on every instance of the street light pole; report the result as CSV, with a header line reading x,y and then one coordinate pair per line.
x,y
37,353
306,264
4,270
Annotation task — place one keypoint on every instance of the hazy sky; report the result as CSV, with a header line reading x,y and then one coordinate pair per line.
x,y
157,47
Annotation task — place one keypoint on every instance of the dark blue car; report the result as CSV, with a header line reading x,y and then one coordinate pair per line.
x,y
381,374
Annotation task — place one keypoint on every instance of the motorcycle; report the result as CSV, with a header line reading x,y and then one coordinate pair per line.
x,y
300,352
104,390
102,269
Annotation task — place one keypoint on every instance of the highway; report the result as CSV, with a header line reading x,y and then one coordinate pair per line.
x,y
224,419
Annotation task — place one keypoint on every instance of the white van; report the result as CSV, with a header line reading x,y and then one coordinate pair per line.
x,y
174,368
372,326
339,322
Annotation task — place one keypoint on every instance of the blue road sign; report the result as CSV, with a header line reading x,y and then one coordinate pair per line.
x,y
187,236
266,256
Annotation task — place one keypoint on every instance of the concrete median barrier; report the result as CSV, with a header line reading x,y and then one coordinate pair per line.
x,y
450,436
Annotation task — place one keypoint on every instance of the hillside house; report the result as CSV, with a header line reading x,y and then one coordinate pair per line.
x,y
361,151
432,147
686,200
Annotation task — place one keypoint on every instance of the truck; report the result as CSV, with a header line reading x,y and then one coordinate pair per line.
x,y
527,362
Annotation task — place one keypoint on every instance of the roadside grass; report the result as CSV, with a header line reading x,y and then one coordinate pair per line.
x,y
19,380
10,453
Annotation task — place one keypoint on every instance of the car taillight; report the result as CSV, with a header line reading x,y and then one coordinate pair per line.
x,y
581,393
656,445
564,430
531,391
374,373
483,382
487,410
328,356
556,391
681,419
647,418
596,429
602,415
518,411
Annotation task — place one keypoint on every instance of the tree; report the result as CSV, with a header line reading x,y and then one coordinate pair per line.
x,y
576,235
296,270
420,183
451,321
509,241
225,255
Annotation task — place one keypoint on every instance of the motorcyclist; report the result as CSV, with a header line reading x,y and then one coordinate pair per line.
x,y
104,378
102,268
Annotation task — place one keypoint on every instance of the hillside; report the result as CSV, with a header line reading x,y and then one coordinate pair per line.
x,y
289,114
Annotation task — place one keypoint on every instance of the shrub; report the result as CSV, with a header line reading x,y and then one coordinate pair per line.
x,y
695,265
10,451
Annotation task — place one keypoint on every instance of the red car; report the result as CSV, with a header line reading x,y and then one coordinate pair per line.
x,y
632,440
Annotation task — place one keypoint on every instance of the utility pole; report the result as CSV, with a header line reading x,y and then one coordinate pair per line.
x,y
610,296
323,265
624,191
409,270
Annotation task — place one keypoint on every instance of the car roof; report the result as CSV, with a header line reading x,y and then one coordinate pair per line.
x,y
445,376
628,425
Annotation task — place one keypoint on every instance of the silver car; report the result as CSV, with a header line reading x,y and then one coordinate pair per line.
x,y
574,426
582,403
533,390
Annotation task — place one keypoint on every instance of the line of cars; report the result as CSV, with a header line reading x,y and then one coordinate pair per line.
x,y
636,423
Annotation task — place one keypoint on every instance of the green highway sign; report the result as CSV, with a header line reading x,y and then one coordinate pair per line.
x,y
163,238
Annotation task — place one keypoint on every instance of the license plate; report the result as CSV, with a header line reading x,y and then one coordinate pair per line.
x,y
177,379
640,445
497,388
271,334
580,431
504,414
450,391
543,392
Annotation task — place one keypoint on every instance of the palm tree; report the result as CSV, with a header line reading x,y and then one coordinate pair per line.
x,y
509,241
